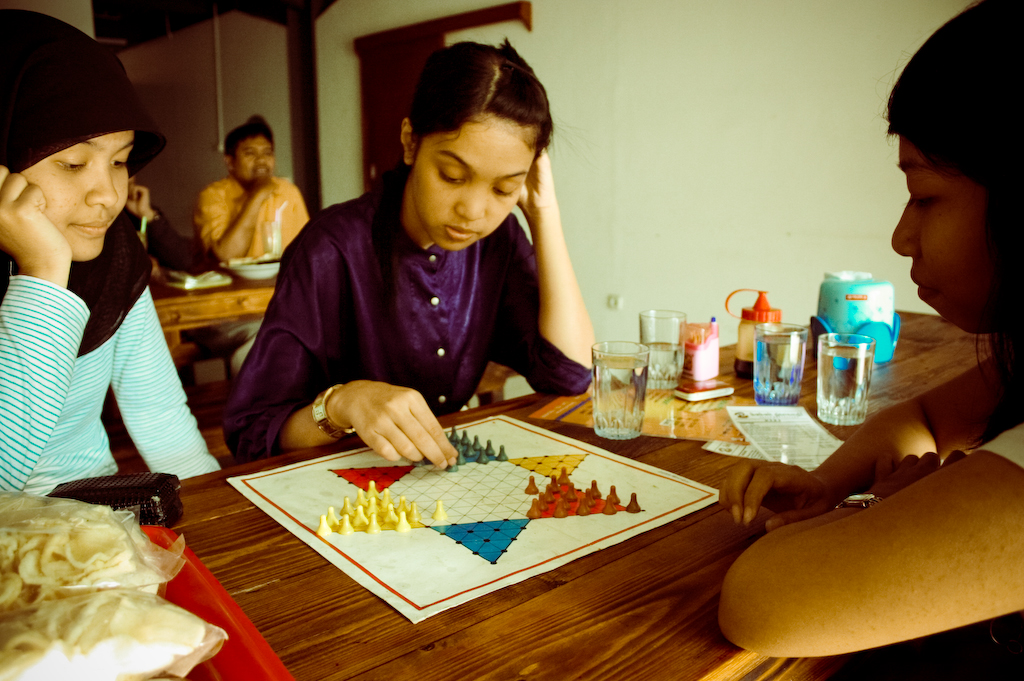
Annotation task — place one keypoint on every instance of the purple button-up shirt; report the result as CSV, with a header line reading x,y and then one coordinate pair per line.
x,y
332,320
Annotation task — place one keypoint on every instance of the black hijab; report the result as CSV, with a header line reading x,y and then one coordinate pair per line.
x,y
59,87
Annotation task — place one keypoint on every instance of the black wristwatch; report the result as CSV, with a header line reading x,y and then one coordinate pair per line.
x,y
863,500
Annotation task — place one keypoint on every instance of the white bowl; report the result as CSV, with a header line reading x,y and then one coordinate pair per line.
x,y
259,270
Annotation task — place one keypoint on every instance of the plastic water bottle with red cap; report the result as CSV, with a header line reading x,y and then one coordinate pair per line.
x,y
760,313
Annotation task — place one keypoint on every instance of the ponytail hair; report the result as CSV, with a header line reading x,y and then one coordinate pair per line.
x,y
467,80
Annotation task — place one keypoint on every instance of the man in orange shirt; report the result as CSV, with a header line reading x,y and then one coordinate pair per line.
x,y
233,215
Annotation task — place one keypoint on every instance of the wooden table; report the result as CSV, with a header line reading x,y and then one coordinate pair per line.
x,y
180,310
643,609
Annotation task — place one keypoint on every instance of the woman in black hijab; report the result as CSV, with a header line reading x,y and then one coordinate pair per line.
x,y
76,316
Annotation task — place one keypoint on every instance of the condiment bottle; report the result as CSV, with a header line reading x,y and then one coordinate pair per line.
x,y
761,313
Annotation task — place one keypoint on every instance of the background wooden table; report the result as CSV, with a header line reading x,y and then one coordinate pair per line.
x,y
645,608
180,310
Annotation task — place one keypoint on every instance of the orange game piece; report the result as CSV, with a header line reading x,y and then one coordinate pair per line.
x,y
612,497
563,479
532,487
554,481
583,508
570,494
547,497
561,509
609,508
594,492
633,507
535,511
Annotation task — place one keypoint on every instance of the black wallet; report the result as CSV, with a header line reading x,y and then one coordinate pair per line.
x,y
155,495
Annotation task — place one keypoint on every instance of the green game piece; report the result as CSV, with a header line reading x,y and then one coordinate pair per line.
x,y
502,456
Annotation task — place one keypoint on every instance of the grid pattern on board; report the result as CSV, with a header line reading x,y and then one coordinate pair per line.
x,y
474,493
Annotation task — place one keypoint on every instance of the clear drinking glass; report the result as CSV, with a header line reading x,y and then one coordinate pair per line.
x,y
664,332
845,363
779,351
620,387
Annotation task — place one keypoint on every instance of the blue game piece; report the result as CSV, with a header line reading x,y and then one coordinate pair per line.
x,y
502,456
490,449
454,467
461,461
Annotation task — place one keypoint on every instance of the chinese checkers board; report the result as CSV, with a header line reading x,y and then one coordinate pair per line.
x,y
522,501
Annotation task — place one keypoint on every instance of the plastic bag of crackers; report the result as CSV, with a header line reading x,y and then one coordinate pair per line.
x,y
78,595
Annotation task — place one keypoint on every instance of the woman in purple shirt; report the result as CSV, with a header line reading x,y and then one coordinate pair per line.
x,y
388,307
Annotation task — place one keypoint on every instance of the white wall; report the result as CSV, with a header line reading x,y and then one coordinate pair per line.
x,y
175,77
78,13
700,147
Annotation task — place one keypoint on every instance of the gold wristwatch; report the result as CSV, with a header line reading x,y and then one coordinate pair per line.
x,y
863,500
323,421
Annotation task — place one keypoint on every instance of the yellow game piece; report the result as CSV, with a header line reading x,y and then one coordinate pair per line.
x,y
374,526
324,530
439,514
345,527
360,498
390,519
414,514
402,505
360,522
385,498
403,524
371,507
332,520
346,508
371,490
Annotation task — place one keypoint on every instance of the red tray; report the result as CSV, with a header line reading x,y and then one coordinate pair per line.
x,y
246,654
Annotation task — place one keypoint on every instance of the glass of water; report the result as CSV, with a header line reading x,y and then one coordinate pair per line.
x,y
620,387
845,362
272,245
664,332
779,351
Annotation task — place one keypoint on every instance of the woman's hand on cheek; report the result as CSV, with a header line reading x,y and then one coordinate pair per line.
x,y
27,235
394,421
538,191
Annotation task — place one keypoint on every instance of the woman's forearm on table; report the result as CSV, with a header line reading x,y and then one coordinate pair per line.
x,y
942,553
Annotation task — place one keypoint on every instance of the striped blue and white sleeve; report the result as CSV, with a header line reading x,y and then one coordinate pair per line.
x,y
151,399
41,327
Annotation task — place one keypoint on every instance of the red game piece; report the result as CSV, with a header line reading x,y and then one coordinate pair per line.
x,y
633,507
535,511
561,509
570,494
612,497
547,497
583,508
532,487
554,481
594,492
609,508
563,479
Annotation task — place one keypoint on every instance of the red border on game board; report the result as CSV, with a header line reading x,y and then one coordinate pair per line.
x,y
510,422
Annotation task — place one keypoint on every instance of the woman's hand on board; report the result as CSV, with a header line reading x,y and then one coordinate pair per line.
x,y
394,421
27,235
798,492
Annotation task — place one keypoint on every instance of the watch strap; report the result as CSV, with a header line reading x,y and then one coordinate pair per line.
x,y
323,421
